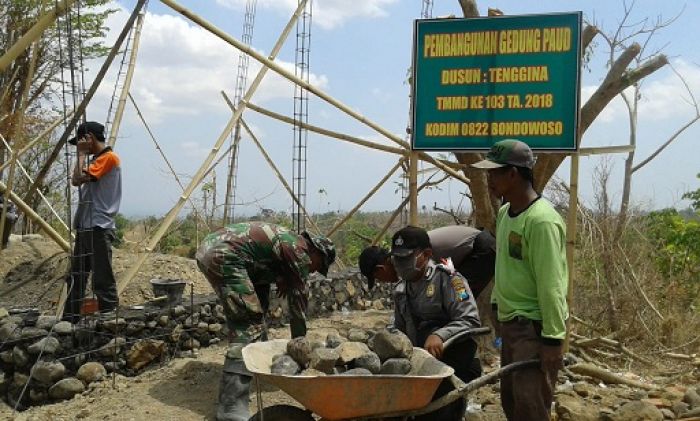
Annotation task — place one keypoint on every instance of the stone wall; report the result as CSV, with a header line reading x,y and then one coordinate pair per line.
x,y
45,360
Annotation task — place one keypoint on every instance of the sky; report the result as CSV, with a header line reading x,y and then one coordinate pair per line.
x,y
360,54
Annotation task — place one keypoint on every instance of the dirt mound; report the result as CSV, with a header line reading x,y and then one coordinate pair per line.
x,y
33,269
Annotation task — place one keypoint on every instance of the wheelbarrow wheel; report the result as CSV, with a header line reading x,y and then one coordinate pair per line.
x,y
283,413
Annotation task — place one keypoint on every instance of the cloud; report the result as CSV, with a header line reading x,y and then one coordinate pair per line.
x,y
181,69
327,14
667,97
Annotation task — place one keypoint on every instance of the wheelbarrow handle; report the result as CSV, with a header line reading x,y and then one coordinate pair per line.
x,y
465,389
466,334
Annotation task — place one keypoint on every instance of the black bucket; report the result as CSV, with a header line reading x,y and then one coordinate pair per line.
x,y
170,288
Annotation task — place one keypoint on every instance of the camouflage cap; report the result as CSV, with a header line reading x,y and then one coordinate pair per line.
x,y
325,246
507,152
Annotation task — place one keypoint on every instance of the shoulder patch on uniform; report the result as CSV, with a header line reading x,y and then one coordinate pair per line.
x,y
430,290
459,288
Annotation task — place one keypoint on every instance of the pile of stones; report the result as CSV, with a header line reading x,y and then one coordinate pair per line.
x,y
363,353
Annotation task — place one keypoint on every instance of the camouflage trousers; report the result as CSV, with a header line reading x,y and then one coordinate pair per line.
x,y
245,303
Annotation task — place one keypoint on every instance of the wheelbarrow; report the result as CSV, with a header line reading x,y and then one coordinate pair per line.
x,y
361,398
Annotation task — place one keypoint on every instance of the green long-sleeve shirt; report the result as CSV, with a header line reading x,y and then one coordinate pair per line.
x,y
531,269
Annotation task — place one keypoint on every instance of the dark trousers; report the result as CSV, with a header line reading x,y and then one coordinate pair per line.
x,y
526,395
297,317
92,253
461,357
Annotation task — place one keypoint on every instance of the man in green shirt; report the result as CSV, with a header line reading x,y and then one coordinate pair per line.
x,y
531,281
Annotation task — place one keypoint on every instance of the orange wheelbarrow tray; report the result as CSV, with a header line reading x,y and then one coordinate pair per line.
x,y
339,397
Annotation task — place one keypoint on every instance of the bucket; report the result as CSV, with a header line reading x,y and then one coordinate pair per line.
x,y
89,306
169,289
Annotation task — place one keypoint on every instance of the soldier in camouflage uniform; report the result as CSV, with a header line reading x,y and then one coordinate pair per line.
x,y
241,261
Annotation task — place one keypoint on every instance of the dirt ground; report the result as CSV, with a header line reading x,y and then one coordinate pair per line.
x,y
33,270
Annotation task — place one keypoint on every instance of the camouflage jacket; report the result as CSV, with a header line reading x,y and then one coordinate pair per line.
x,y
268,252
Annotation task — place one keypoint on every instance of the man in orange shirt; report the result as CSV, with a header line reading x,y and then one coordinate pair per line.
x,y
100,190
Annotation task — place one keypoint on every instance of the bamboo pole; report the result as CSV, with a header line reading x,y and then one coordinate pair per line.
x,y
571,239
29,212
413,189
121,104
325,132
165,158
29,177
37,139
34,33
351,139
366,198
272,164
197,178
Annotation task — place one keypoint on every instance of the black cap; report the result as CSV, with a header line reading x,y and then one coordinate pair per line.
x,y
369,259
89,127
408,239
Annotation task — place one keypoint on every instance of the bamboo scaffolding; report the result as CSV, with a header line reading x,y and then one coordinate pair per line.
x,y
197,178
34,33
326,132
272,165
366,198
352,139
37,139
29,212
114,130
29,177
293,78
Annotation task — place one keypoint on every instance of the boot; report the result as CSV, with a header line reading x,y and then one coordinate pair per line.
x,y
234,389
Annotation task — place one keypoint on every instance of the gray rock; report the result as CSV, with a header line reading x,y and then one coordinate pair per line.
x,y
19,379
333,340
46,322
312,372
152,324
135,327
570,408
178,311
112,348
11,319
638,411
91,372
205,310
300,351
351,350
668,414
202,327
191,344
7,357
32,332
398,366
66,388
48,345
284,365
63,328
38,396
392,345
3,313
219,313
357,335
163,320
191,321
357,372
19,357
680,408
114,325
215,328
48,372
323,359
370,361
692,398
